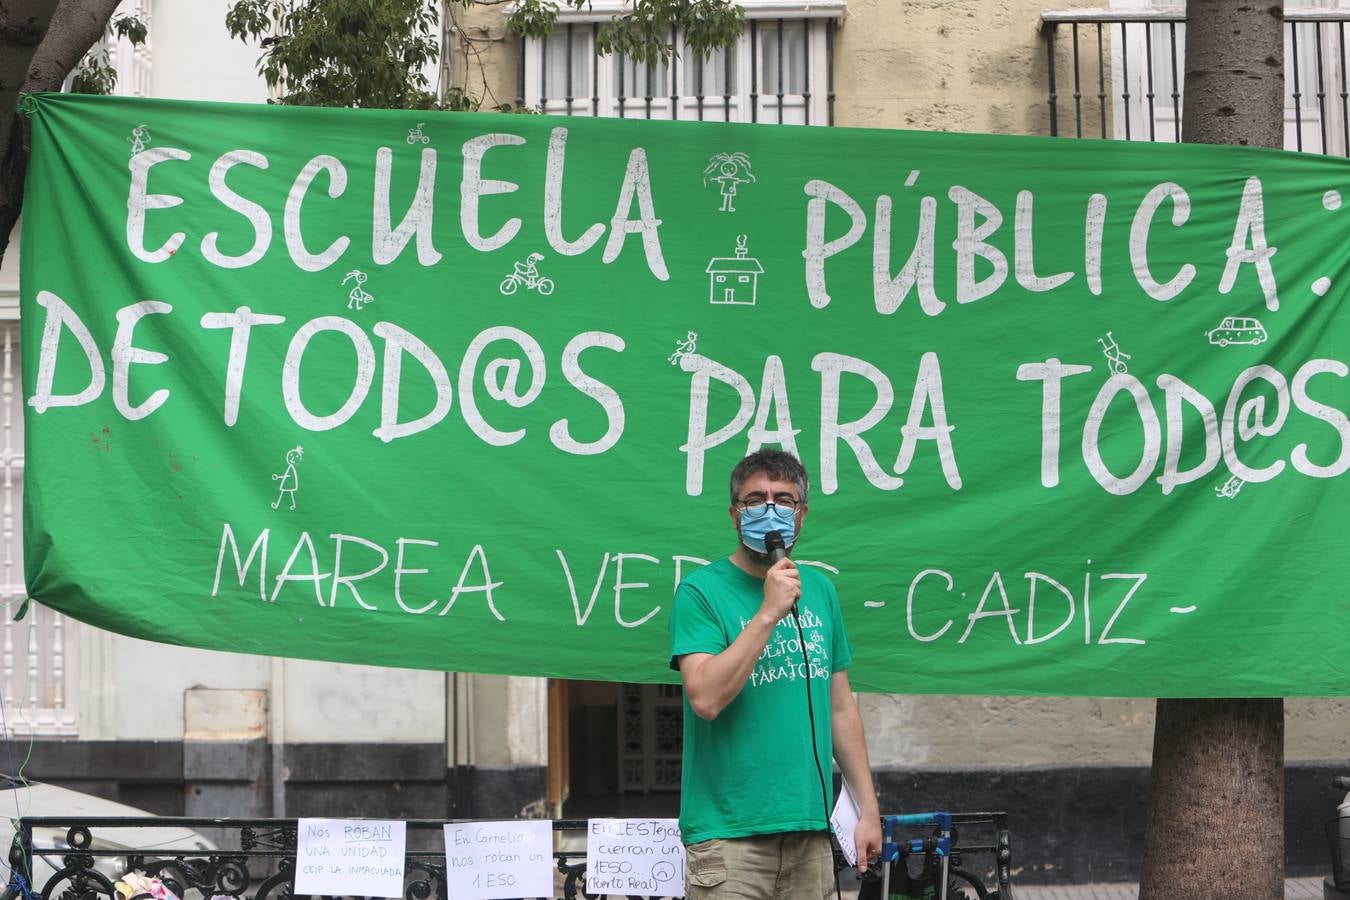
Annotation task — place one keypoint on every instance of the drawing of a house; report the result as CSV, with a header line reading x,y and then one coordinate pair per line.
x,y
734,279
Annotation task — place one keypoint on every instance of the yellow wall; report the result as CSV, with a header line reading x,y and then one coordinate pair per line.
x,y
937,65
947,65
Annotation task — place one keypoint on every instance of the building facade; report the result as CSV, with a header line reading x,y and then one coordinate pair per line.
x,y
181,731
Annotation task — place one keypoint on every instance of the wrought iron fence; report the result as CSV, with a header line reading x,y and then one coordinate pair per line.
x,y
80,858
1133,90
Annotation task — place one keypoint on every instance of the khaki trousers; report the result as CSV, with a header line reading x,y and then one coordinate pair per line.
x,y
795,865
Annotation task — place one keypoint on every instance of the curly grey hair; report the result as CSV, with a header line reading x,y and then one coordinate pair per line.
x,y
777,464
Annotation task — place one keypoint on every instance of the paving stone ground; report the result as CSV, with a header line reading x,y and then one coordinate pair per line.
x,y
1294,889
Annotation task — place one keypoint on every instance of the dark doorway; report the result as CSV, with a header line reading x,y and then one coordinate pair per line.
x,y
624,748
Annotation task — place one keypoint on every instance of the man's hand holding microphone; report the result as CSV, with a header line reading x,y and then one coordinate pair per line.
x,y
782,582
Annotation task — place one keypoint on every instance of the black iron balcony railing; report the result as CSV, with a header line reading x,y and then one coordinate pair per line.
x,y
63,858
1134,88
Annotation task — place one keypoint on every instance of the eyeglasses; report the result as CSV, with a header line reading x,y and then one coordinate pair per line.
x,y
756,507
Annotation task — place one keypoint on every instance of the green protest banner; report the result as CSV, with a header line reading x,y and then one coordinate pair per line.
x,y
463,391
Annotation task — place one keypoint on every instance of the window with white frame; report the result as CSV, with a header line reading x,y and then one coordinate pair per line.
x,y
131,61
1151,60
37,653
778,70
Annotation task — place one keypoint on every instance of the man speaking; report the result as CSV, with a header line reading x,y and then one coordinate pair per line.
x,y
761,648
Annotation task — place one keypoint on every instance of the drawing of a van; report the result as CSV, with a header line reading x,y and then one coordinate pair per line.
x,y
1237,330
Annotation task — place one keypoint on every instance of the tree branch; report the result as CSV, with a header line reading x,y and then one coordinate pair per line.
x,y
22,26
75,27
41,42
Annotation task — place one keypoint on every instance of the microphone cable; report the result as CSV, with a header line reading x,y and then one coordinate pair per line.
x,y
815,749
773,543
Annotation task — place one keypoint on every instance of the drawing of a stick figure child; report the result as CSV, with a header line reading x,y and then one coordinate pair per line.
x,y
1115,357
140,137
728,170
529,270
683,348
357,296
290,479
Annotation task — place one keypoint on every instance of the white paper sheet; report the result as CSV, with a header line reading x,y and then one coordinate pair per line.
x,y
350,856
496,860
634,856
844,820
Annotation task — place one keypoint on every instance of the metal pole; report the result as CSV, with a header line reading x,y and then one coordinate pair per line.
x,y
1050,58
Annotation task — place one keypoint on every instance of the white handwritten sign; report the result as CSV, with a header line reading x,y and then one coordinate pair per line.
x,y
350,856
634,856
494,860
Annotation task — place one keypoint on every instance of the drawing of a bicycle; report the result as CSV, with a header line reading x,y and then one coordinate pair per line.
x,y
526,273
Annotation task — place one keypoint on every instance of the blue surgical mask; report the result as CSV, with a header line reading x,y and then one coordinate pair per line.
x,y
783,521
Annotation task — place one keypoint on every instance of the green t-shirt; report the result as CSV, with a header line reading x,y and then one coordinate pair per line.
x,y
751,770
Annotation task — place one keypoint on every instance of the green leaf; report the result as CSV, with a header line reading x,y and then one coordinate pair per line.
x,y
343,52
371,53
129,27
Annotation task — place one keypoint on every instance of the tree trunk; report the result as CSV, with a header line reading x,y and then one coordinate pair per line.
x,y
1216,801
22,26
1234,89
41,42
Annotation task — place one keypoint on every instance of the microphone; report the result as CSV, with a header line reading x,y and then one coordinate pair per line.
x,y
773,543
